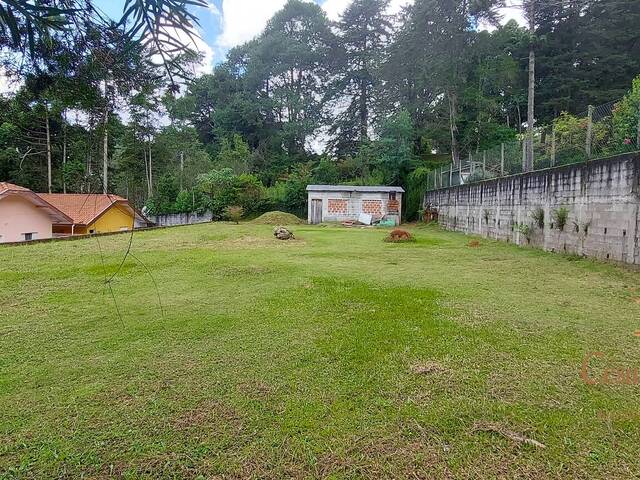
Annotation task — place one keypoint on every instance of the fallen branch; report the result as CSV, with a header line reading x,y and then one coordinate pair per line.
x,y
513,436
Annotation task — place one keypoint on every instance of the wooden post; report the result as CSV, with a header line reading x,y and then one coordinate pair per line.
x,y
471,165
450,174
484,163
553,146
589,130
502,160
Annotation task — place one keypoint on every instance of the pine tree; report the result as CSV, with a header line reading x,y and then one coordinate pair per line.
x,y
364,32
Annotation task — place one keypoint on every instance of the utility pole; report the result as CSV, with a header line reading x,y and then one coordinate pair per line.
x,y
105,141
528,165
181,168
48,130
105,153
589,131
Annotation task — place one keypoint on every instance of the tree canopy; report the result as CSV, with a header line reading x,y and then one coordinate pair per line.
x,y
369,98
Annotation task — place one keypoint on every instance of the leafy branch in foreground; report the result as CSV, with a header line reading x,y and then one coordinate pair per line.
x,y
166,27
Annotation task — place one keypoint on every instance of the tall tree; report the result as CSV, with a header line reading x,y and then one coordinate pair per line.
x,y
288,66
363,34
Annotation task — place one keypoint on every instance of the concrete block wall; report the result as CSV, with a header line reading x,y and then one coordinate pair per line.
x,y
601,196
173,219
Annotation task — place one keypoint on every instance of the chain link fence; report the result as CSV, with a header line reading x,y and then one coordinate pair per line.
x,y
602,131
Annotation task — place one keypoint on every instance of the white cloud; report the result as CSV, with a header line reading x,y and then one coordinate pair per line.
x,y
396,5
512,12
196,43
213,9
242,20
335,8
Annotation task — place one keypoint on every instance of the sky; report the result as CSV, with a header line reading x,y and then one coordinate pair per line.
x,y
227,23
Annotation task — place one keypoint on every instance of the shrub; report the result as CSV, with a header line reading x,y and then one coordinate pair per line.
x,y
525,230
538,216
560,217
625,119
234,213
399,236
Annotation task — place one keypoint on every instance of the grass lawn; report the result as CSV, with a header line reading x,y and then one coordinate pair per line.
x,y
332,356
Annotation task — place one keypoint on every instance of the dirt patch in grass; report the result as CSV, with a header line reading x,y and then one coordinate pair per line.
x,y
428,368
255,389
241,270
249,241
209,414
395,456
473,244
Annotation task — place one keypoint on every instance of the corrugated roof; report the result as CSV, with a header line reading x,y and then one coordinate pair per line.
x,y
353,188
83,208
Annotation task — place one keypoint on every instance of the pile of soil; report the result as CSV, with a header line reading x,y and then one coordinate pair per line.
x,y
278,218
399,236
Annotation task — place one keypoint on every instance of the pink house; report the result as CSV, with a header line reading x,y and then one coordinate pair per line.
x,y
25,216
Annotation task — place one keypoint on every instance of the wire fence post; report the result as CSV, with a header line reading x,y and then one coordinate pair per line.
x,y
553,146
638,131
502,159
589,130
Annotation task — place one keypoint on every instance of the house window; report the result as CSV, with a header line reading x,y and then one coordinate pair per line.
x,y
92,231
392,195
29,236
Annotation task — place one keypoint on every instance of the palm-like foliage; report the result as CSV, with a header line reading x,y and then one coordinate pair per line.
x,y
165,27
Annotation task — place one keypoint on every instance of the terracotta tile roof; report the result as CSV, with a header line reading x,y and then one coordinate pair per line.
x,y
83,208
57,216
6,186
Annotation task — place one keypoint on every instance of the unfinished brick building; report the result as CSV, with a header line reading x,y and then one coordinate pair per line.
x,y
339,203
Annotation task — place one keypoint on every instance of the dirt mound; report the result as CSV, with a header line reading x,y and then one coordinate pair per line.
x,y
398,236
278,218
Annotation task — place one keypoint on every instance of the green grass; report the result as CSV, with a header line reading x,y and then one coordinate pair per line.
x,y
302,359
